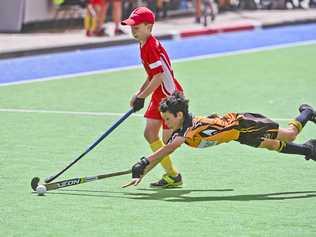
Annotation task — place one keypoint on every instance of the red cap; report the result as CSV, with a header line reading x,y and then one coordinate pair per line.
x,y
140,15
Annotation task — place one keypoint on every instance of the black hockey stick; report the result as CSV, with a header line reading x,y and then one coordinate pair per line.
x,y
104,135
75,181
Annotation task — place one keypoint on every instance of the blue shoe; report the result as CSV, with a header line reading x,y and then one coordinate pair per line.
x,y
306,106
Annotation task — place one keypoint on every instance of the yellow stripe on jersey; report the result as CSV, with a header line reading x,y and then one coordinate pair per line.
x,y
212,131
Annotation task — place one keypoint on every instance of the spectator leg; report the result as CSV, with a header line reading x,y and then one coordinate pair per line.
x,y
117,13
198,11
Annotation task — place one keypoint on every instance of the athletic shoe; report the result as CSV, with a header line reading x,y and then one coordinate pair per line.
x,y
304,107
88,33
167,182
100,33
118,31
312,145
213,16
197,19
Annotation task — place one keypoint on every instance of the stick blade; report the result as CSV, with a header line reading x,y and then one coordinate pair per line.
x,y
49,179
34,183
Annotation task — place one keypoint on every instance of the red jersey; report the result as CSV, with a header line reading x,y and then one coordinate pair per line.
x,y
156,60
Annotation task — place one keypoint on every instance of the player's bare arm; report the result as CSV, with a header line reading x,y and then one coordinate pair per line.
x,y
142,88
152,86
141,168
156,157
139,100
144,85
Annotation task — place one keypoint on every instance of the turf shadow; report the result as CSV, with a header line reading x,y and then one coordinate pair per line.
x,y
190,195
150,194
179,197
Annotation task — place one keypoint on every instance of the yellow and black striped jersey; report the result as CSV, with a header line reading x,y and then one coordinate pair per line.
x,y
200,132
246,128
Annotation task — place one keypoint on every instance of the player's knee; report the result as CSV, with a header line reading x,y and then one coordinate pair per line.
x,y
150,136
270,145
147,135
273,147
291,137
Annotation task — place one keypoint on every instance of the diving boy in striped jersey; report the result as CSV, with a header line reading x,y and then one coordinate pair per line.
x,y
247,128
160,83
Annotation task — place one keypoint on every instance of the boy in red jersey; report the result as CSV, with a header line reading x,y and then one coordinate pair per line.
x,y
160,83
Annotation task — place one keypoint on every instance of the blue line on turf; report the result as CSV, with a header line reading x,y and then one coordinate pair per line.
x,y
54,65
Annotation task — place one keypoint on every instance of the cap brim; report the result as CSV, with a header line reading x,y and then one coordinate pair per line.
x,y
129,22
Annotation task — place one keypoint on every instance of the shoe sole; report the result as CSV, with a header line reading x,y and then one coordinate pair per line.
x,y
311,144
174,185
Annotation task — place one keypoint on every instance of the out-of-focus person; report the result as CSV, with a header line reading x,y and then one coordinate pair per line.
x,y
208,11
116,14
293,5
247,4
93,20
162,8
198,12
128,7
224,5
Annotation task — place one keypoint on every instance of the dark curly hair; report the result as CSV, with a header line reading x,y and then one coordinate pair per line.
x,y
174,104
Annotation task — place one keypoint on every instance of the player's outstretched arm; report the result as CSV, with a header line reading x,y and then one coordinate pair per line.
x,y
142,167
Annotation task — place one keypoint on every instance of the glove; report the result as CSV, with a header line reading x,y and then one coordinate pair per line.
x,y
138,104
139,167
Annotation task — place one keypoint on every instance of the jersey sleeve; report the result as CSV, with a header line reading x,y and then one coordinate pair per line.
x,y
179,133
173,136
154,61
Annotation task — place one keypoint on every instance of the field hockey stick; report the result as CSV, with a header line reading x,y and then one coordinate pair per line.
x,y
104,135
75,181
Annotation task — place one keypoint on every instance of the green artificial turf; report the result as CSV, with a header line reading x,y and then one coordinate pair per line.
x,y
229,190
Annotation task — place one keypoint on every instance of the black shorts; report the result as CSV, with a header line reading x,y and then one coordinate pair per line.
x,y
254,127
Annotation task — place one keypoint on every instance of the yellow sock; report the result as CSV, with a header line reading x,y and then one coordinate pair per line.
x,y
93,24
296,124
166,161
87,22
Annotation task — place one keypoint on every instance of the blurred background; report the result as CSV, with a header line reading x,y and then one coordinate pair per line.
x,y
30,27
44,15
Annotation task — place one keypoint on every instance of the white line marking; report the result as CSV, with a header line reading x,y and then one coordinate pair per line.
x,y
65,112
246,51
215,55
83,113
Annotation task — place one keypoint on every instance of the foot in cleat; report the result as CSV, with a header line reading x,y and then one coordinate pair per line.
x,y
168,181
306,106
312,145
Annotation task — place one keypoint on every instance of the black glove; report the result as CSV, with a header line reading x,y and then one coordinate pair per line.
x,y
139,167
138,104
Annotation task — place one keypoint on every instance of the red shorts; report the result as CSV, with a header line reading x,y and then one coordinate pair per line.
x,y
153,112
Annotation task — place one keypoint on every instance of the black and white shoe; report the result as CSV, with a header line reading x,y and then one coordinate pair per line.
x,y
306,106
312,145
